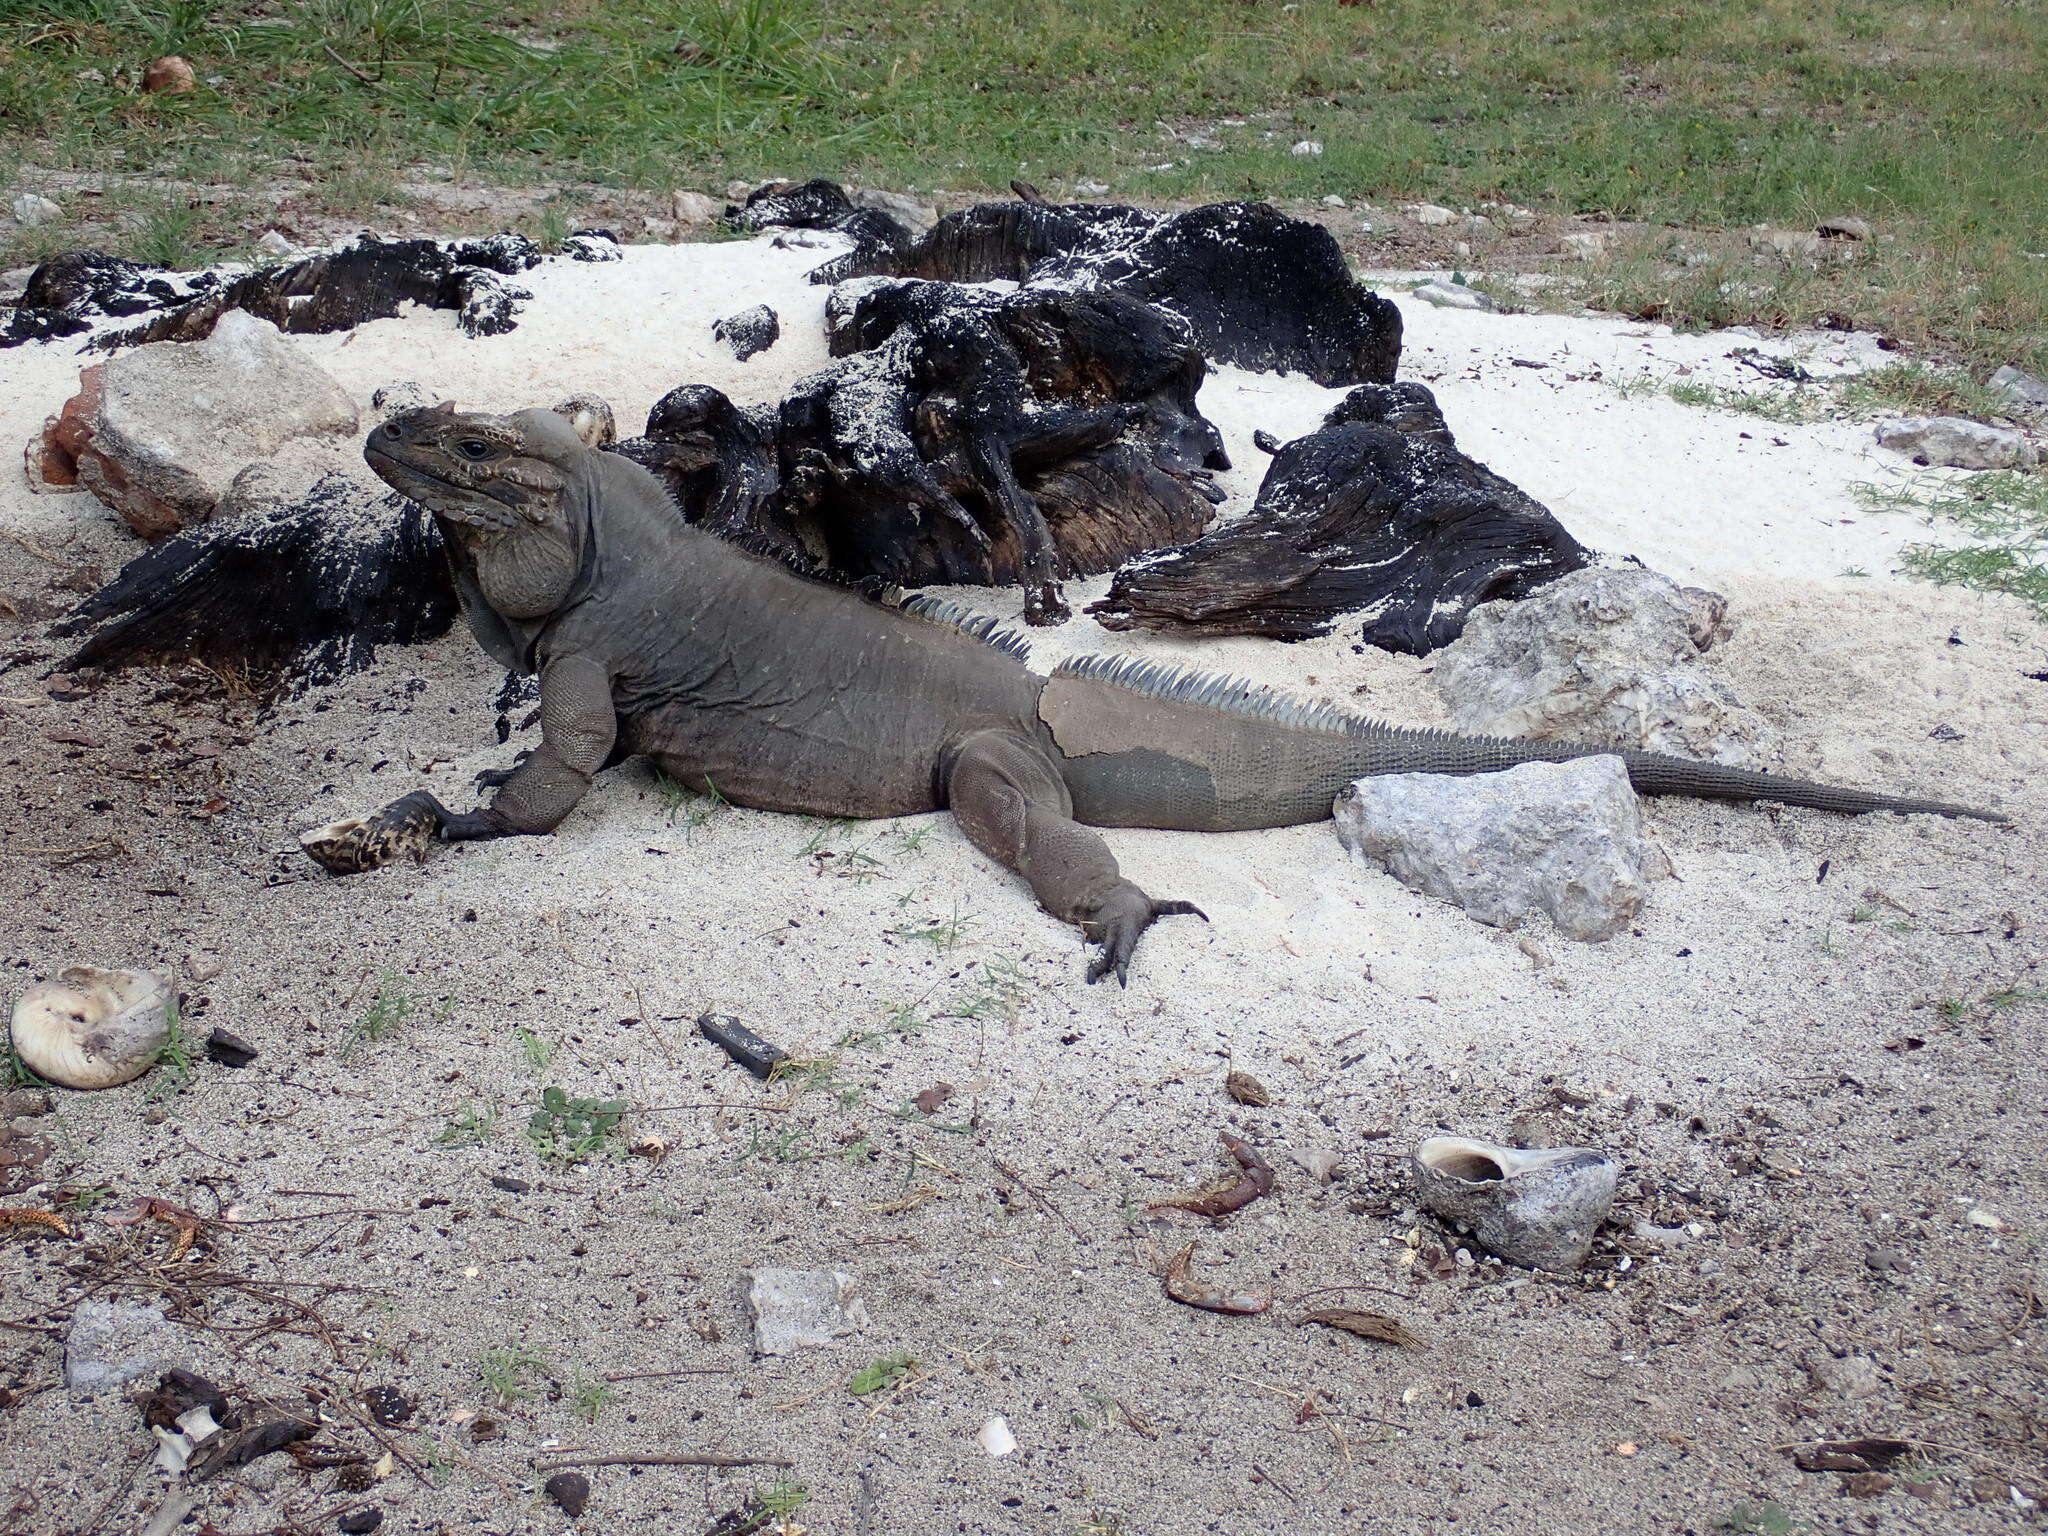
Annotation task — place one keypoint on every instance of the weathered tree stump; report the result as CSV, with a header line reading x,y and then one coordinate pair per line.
x,y
1257,288
1375,513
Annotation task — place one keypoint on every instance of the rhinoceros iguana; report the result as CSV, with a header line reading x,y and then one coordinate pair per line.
x,y
738,675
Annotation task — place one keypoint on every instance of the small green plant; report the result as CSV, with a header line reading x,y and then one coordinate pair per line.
x,y
1766,1519
2004,511
81,1199
1855,572
173,1058
1919,389
816,1074
824,831
880,1375
471,1126
504,1373
994,989
14,1072
900,1021
942,933
557,218
391,1007
568,1130
913,839
592,1397
678,800
537,1049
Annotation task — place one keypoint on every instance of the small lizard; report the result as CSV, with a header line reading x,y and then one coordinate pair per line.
x,y
730,670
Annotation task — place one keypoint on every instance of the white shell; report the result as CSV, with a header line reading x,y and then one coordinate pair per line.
x,y
995,1437
92,1028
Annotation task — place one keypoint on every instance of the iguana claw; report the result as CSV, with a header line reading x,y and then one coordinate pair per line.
x,y
1120,922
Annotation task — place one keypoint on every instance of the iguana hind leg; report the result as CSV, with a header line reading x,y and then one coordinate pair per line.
x,y
1013,806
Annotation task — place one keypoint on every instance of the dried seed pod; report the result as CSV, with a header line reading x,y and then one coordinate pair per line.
x,y
92,1028
1246,1089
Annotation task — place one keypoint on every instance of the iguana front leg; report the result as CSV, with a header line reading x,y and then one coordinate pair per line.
x,y
577,728
1014,807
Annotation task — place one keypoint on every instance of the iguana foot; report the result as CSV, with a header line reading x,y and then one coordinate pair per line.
x,y
1120,922
494,778
1044,606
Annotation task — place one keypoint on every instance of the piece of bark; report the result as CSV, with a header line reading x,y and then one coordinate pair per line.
x,y
1374,513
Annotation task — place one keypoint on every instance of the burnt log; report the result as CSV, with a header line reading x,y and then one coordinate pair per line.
x,y
1376,513
332,291
824,205
1257,288
963,436
299,591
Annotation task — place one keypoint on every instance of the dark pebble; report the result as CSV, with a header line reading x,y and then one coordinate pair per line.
x,y
570,1490
360,1522
230,1049
510,1185
388,1406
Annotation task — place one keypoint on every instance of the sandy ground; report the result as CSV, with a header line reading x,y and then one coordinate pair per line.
x,y
1814,1052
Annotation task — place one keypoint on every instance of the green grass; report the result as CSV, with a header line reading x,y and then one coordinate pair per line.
x,y
1715,113
2005,512
389,1008
473,1125
504,1372
564,1130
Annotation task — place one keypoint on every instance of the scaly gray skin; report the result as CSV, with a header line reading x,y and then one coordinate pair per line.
x,y
784,694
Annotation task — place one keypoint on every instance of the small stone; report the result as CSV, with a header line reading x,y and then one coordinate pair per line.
x,y
1431,214
1332,200
1091,188
361,1520
1319,1163
1788,244
592,245
1307,149
1957,443
1991,1221
695,207
1586,245
1851,1376
795,1308
31,209
1246,1089
659,231
1843,227
510,1185
915,216
748,331
1866,1485
1885,1261
1988,1489
230,1049
570,1491
1449,295
2025,393
170,75
111,1344
388,1406
275,244
1564,839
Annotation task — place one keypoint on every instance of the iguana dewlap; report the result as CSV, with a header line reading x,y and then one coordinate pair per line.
x,y
736,675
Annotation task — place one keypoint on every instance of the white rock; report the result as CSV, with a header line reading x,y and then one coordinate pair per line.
x,y
1563,839
2022,390
31,209
273,243
1584,245
1843,227
1332,200
995,1436
1603,656
693,208
798,1307
1855,1376
1956,442
1791,244
1307,149
1449,295
1429,213
917,217
1091,188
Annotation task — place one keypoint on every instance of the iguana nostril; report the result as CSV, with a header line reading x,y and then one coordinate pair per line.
x,y
390,429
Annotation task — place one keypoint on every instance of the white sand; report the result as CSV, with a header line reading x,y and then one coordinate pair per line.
x,y
1362,1005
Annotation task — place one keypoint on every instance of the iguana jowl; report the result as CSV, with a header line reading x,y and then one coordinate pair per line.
x,y
733,672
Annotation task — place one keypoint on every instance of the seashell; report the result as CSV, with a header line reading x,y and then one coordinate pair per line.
x,y
92,1028
404,828
1537,1207
995,1436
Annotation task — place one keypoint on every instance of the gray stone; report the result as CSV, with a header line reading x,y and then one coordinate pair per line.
x,y
694,208
110,1344
1563,839
1432,214
31,209
798,1307
1852,1376
1585,245
178,420
748,331
917,217
1787,244
1607,656
1307,149
1957,443
1449,295
2025,393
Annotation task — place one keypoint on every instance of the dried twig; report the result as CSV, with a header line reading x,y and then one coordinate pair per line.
x,y
1018,1179
688,1459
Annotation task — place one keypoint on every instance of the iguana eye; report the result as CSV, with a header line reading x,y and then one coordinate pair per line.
x,y
473,448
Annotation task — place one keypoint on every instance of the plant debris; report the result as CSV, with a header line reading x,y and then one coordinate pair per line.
x,y
928,1100
186,1222
1869,1455
1367,1325
1182,1287
1256,1180
1246,1089
17,1220
881,1374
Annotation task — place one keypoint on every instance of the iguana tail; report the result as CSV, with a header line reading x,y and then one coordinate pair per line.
x,y
1148,745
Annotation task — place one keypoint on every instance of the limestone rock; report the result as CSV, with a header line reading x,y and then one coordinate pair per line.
x,y
1606,656
176,421
1843,227
1957,443
111,1344
913,215
1854,1376
695,207
1432,215
31,209
1563,839
1584,246
1448,295
2025,393
797,1307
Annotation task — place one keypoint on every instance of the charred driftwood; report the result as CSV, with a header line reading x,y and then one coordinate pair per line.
x,y
964,436
332,291
1257,288
304,589
1376,513
821,204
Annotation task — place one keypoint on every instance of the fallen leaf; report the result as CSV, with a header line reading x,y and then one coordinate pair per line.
x,y
1367,1325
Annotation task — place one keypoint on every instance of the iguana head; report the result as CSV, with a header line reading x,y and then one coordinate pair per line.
x,y
490,475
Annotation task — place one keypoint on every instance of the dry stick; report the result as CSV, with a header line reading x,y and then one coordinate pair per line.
x,y
699,1370
2018,1474
696,1459
344,63
1010,1173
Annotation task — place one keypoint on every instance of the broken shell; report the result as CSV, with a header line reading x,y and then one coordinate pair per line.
x,y
995,1436
1535,1207
404,828
92,1028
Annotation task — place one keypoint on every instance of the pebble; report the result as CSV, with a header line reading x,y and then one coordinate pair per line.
x,y
31,209
1431,214
1307,149
1853,1376
1449,295
570,1491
